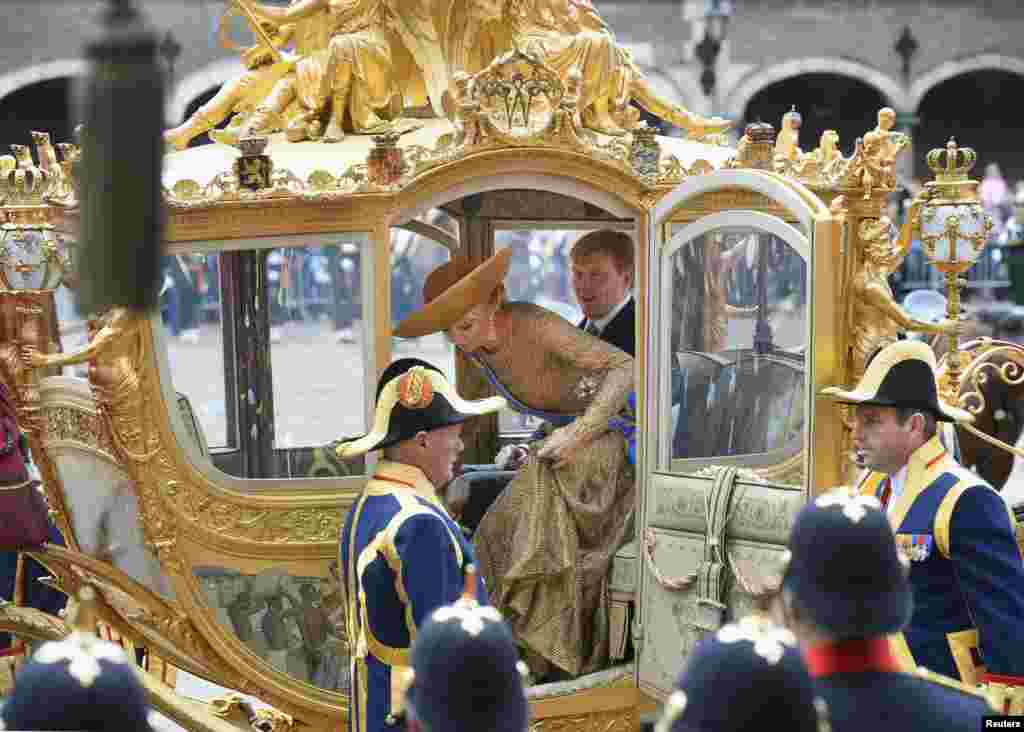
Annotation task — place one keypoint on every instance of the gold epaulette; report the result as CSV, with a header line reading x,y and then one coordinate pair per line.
x,y
950,683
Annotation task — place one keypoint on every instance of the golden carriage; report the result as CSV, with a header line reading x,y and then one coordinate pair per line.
x,y
753,284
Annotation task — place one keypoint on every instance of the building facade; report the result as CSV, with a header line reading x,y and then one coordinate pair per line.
x,y
836,61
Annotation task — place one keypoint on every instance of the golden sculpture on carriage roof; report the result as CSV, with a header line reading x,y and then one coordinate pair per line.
x,y
495,112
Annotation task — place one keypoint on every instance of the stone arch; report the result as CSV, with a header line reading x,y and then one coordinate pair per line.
x,y
944,72
200,81
740,95
15,80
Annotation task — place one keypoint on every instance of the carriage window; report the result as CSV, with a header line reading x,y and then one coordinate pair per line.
x,y
413,257
736,320
539,273
190,306
318,342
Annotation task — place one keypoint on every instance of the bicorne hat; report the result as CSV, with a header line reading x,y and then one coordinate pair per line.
x,y
452,290
466,672
901,374
845,574
79,683
747,676
414,396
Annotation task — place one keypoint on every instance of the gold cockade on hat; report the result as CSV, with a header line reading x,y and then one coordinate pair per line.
x,y
414,389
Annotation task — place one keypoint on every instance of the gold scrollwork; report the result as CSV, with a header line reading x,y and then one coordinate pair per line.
x,y
616,720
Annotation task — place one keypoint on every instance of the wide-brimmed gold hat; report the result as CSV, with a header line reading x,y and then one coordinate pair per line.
x,y
451,291
901,375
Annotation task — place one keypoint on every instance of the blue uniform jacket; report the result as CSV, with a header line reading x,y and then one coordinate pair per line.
x,y
859,701
409,557
966,570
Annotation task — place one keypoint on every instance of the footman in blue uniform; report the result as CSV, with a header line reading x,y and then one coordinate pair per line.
x,y
402,555
845,590
956,531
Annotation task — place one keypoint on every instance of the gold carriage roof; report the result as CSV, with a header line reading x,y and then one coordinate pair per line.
x,y
345,167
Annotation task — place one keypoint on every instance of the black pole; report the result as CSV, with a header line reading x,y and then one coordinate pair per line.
x,y
121,228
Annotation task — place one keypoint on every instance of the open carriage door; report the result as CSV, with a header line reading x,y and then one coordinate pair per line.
x,y
743,299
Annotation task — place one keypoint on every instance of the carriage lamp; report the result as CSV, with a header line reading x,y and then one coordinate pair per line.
x,y
120,193
953,229
32,253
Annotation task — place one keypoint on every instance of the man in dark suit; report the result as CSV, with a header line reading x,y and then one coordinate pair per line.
x,y
602,280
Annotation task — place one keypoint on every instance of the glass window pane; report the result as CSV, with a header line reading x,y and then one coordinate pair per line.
x,y
737,325
317,342
190,306
413,257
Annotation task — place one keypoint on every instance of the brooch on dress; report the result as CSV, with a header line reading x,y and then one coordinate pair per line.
x,y
586,387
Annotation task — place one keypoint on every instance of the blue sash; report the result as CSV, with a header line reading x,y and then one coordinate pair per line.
x,y
624,422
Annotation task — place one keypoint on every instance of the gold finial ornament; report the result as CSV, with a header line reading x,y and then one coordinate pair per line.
x,y
952,164
82,617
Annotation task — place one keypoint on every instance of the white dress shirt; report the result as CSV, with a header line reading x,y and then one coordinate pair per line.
x,y
897,482
602,323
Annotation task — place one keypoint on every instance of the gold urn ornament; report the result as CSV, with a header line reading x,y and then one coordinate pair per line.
x,y
756,149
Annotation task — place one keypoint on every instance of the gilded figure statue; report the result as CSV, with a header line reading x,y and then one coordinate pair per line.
x,y
873,164
570,36
240,96
24,327
787,143
115,353
823,161
875,316
350,79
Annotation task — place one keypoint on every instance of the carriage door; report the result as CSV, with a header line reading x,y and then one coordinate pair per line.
x,y
729,409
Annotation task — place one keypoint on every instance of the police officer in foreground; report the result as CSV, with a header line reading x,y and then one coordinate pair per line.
x,y
845,590
467,673
79,683
958,533
402,555
746,677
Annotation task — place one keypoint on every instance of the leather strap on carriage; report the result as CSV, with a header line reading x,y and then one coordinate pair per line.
x,y
712,577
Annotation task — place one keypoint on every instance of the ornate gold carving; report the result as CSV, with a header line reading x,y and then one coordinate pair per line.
x,y
234,708
63,423
875,317
788,472
27,622
241,521
872,165
616,720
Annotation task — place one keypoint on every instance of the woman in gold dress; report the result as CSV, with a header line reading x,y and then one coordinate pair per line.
x,y
546,543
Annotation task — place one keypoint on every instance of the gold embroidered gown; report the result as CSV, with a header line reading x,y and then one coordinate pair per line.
x,y
546,544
